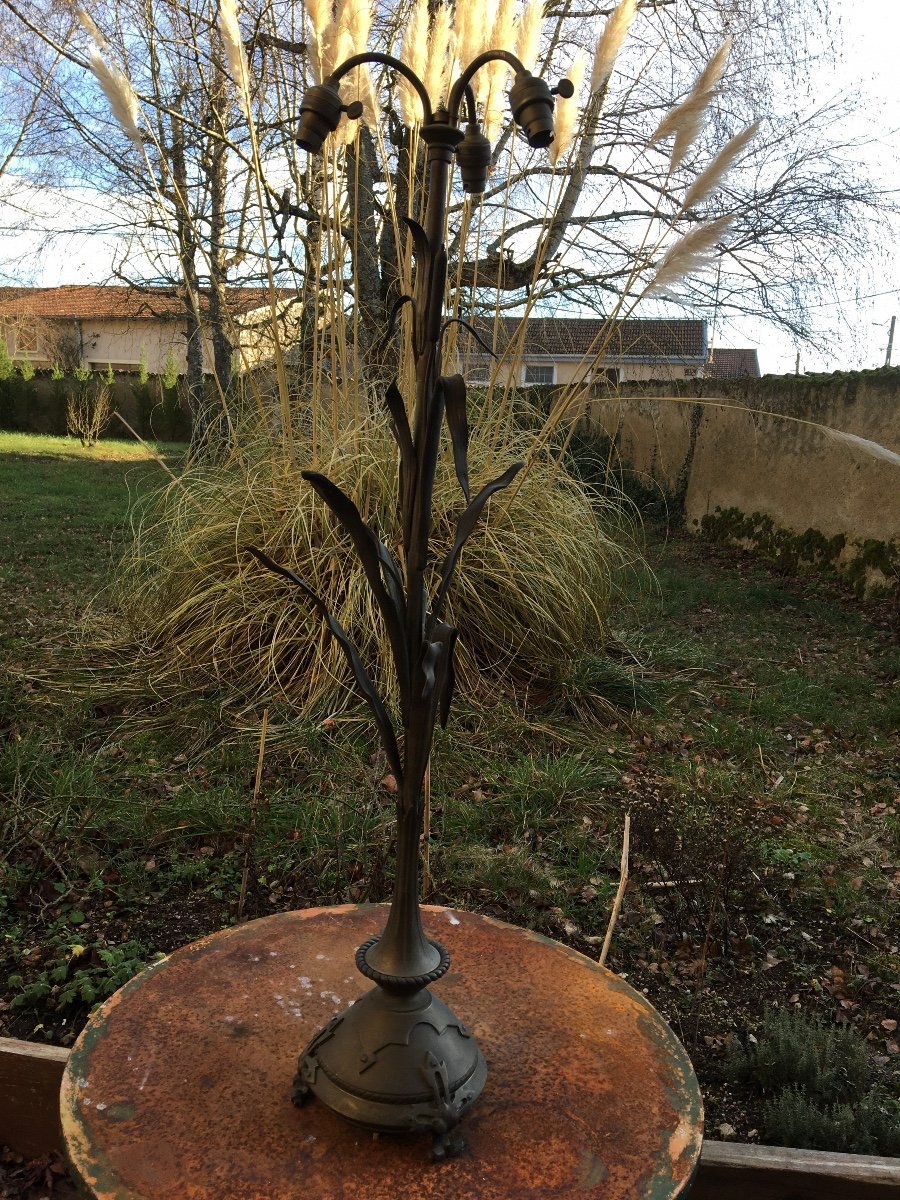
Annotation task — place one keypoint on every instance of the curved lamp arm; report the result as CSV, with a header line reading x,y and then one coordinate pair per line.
x,y
387,60
462,84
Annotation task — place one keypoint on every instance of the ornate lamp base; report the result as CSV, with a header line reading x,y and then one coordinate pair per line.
x,y
396,1061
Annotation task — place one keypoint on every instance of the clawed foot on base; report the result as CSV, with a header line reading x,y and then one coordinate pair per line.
x,y
446,1145
301,1093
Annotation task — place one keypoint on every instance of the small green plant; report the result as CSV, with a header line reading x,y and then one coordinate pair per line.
x,y
819,1084
108,376
869,1126
143,373
169,377
828,1063
26,370
57,373
7,366
82,373
79,975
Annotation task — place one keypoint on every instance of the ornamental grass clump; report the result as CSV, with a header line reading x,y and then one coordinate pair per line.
x,y
199,618
198,614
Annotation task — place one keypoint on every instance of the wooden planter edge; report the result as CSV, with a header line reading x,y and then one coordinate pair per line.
x,y
30,1076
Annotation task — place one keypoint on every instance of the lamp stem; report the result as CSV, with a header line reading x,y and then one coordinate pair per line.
x,y
403,950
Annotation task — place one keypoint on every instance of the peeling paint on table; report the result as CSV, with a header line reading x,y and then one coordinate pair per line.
x,y
179,1087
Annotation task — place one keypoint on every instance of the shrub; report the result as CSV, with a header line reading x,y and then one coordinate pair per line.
x,y
870,1126
89,410
828,1063
199,613
819,1084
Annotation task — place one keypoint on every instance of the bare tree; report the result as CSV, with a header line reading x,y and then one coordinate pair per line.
x,y
205,203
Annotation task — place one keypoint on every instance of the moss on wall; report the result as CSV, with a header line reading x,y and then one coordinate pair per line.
x,y
871,566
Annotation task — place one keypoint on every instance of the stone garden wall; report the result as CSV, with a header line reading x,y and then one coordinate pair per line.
x,y
752,461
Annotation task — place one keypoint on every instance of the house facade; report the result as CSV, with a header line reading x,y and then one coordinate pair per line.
x,y
100,326
557,350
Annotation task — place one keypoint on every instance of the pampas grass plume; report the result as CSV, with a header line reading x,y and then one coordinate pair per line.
x,y
320,16
230,31
528,41
415,54
709,77
610,43
337,45
689,255
356,18
686,118
87,22
566,113
709,180
322,27
490,82
504,33
120,94
468,24
353,22
440,52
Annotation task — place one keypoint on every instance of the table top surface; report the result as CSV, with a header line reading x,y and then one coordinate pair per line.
x,y
179,1088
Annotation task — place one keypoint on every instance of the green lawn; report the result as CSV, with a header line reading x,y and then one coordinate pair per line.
x,y
761,774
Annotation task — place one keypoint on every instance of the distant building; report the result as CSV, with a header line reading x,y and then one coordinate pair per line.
x,y
556,350
100,326
724,363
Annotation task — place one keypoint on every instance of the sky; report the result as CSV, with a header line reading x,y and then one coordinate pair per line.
x,y
868,38
869,41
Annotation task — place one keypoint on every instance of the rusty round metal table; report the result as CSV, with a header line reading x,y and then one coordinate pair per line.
x,y
179,1087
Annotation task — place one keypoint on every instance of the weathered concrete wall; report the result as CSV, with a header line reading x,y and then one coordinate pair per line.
x,y
749,459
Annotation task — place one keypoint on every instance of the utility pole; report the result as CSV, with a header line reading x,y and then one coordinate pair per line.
x,y
887,357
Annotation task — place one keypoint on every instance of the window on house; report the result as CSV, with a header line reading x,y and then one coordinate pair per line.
x,y
26,338
538,374
607,375
479,372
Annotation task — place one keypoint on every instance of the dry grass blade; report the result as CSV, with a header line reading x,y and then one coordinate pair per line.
x,y
709,180
620,890
254,810
162,462
690,254
610,43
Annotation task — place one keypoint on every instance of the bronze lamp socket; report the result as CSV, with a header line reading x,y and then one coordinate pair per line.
x,y
320,114
532,108
531,101
473,154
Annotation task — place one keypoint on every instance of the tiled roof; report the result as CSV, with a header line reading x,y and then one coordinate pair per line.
x,y
732,364
553,337
87,302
